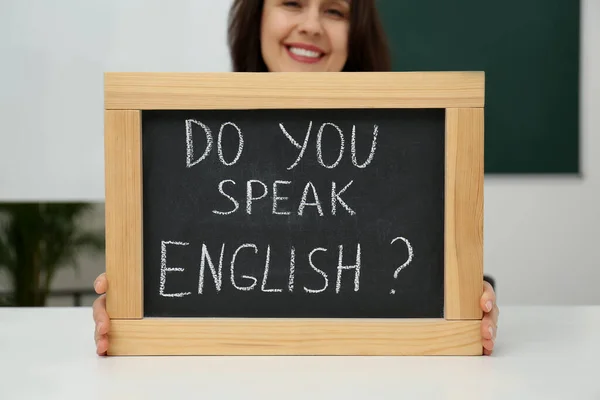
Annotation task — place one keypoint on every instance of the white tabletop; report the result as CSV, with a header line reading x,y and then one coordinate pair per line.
x,y
542,353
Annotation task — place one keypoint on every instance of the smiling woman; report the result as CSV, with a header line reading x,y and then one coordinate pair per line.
x,y
307,36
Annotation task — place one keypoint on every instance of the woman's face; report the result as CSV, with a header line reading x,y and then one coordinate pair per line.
x,y
305,35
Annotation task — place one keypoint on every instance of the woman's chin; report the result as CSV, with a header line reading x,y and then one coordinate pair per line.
x,y
290,65
304,67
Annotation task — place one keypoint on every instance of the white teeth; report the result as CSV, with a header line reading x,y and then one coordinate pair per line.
x,y
304,52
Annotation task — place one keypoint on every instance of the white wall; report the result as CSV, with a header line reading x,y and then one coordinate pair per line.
x,y
541,233
51,100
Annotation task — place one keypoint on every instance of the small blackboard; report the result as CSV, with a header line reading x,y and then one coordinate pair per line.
x,y
294,213
299,213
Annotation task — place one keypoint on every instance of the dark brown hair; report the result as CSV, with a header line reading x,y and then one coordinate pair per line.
x,y
367,45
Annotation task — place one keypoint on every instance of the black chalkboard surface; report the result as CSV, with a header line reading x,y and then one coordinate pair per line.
x,y
362,180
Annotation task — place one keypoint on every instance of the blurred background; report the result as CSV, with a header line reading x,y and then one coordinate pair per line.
x,y
542,184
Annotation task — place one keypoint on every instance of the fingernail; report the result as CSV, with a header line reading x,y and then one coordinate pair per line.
x,y
488,305
99,327
491,330
96,285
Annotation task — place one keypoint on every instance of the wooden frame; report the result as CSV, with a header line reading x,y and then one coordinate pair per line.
x,y
458,333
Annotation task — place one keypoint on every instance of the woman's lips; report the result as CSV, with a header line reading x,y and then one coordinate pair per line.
x,y
304,53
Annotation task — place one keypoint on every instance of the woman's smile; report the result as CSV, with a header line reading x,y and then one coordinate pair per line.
x,y
304,53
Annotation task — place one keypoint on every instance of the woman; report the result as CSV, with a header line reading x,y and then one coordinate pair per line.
x,y
305,36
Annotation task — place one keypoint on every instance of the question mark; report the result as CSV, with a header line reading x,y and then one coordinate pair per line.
x,y
410,257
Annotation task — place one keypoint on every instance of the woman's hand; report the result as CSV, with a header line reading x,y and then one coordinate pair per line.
x,y
489,323
101,316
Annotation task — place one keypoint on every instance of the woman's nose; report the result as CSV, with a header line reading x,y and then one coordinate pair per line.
x,y
311,23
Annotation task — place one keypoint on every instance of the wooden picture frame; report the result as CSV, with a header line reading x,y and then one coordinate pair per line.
x,y
458,333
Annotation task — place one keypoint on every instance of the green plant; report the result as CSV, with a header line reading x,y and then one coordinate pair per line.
x,y
38,239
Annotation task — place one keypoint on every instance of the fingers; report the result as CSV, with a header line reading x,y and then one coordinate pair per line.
x,y
102,325
101,316
489,323
101,339
102,346
101,284
489,329
99,308
488,299
494,315
488,347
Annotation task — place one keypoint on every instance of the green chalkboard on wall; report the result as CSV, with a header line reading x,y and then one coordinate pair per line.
x,y
529,51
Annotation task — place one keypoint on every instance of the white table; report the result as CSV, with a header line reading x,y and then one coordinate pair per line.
x,y
542,353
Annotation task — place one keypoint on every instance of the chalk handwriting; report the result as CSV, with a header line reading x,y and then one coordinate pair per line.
x,y
189,140
253,279
304,202
335,198
292,269
250,194
264,281
276,197
240,146
341,267
164,269
410,258
190,148
371,153
319,145
323,274
302,148
257,190
246,282
311,266
235,203
217,274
